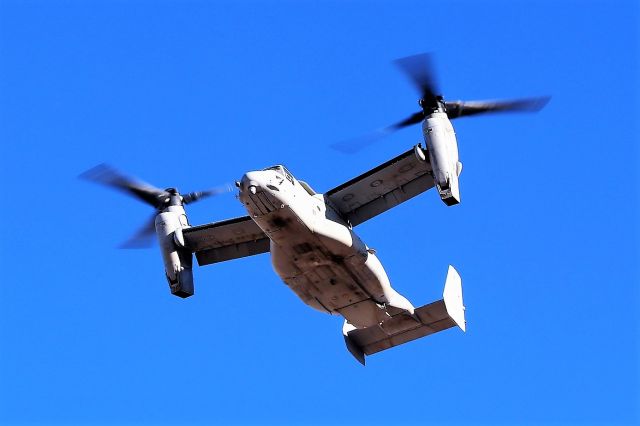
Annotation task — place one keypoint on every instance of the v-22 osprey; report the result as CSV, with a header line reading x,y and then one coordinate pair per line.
x,y
314,248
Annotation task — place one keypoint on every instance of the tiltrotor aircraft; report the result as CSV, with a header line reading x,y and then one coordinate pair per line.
x,y
311,237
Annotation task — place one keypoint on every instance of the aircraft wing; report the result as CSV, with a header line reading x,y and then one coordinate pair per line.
x,y
226,240
383,187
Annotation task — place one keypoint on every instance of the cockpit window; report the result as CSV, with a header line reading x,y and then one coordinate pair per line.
x,y
282,171
288,175
278,169
307,188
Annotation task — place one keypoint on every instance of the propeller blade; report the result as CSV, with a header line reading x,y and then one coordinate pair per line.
x,y
457,109
107,175
419,68
144,237
416,118
351,146
195,196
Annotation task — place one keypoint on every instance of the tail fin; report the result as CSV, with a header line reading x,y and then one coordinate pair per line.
x,y
452,297
404,327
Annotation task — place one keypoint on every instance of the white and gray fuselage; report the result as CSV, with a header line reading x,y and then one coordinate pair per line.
x,y
316,253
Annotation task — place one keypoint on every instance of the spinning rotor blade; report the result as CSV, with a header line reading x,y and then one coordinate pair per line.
x,y
195,196
144,237
109,176
351,146
419,69
409,121
464,108
159,199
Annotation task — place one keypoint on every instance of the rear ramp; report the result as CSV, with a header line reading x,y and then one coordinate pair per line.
x,y
404,327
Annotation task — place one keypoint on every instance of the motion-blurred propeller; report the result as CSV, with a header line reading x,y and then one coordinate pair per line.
x,y
457,109
419,69
107,175
157,198
143,237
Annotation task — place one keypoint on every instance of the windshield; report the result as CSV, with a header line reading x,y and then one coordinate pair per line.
x,y
278,169
282,171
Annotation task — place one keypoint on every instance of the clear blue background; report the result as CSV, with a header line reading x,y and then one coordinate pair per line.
x,y
194,94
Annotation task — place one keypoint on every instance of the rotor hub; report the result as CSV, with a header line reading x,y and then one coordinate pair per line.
x,y
430,106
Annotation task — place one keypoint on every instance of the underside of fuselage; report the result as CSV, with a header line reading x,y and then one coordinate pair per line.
x,y
319,257
331,284
341,282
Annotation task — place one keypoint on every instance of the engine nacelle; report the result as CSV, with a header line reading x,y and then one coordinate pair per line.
x,y
442,147
178,261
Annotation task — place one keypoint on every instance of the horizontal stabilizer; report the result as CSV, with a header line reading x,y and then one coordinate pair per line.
x,y
404,327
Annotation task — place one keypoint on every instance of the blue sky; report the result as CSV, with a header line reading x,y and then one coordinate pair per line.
x,y
193,94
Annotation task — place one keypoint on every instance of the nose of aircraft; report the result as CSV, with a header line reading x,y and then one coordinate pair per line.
x,y
256,193
250,182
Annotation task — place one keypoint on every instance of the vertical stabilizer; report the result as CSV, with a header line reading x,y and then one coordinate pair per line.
x,y
453,297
